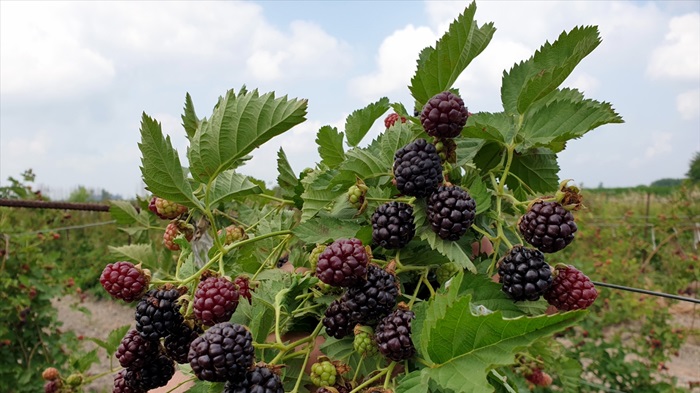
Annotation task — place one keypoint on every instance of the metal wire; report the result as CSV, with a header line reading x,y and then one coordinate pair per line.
x,y
647,292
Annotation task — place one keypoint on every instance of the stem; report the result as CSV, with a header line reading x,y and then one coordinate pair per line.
x,y
389,371
181,383
424,278
274,253
273,198
357,369
415,291
370,381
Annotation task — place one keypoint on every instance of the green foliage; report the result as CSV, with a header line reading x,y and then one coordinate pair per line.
x,y
694,171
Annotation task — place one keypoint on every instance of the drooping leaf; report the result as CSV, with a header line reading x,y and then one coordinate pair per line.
x,y
190,121
531,80
113,340
330,146
230,185
286,180
538,168
360,121
160,165
439,68
239,124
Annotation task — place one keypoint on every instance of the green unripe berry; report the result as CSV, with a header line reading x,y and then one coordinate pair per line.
x,y
313,257
74,380
445,272
323,374
364,341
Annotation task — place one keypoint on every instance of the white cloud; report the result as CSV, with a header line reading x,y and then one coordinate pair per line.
x,y
583,82
679,56
396,62
688,104
661,145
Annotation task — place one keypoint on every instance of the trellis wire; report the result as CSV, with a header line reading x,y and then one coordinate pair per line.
x,y
647,292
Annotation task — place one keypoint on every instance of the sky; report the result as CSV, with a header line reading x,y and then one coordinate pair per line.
x,y
75,77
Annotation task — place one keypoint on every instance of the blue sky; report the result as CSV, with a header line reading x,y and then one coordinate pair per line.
x,y
75,77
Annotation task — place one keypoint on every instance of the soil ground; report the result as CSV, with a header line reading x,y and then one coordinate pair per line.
x,y
107,315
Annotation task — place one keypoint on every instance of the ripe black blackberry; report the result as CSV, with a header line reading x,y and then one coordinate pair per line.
x,y
392,225
417,168
343,263
135,351
374,298
444,115
571,290
336,320
393,335
524,274
260,379
451,212
121,385
224,352
215,300
124,281
177,344
548,226
153,375
157,313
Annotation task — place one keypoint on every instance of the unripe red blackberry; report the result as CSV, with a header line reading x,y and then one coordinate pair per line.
x,y
168,210
152,208
392,225
134,351
171,232
153,375
393,335
244,288
374,298
215,300
233,234
417,168
124,281
548,226
524,274
177,343
571,290
391,119
224,352
121,385
260,379
53,386
336,320
157,313
539,378
50,374
444,115
343,263
451,211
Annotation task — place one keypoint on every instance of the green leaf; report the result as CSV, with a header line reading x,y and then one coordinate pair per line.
x,y
286,179
82,363
439,68
450,249
330,146
125,213
189,119
160,165
238,125
139,253
480,193
360,121
322,229
488,126
537,168
489,156
230,185
321,189
533,79
562,120
113,340
467,149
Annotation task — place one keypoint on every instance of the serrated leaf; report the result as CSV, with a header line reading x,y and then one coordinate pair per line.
x,y
139,253
239,124
537,168
160,165
230,185
488,126
450,249
360,121
480,193
467,148
439,68
189,119
322,229
330,146
125,213
562,120
320,190
533,79
286,180
113,340
489,156
85,361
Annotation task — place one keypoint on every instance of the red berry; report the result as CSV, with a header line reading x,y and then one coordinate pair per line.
x,y
124,281
166,209
244,289
539,378
215,300
392,118
343,263
171,232
50,374
571,290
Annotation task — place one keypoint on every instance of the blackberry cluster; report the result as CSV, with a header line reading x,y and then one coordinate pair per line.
x,y
260,379
444,115
393,335
524,274
548,226
343,263
224,352
451,211
215,300
374,298
571,290
417,168
157,313
124,281
392,225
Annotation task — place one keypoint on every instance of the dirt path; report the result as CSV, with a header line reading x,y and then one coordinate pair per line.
x,y
108,315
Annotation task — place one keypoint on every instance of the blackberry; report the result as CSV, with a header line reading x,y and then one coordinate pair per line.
x,y
134,351
315,253
524,274
244,289
224,352
548,226
337,320
177,344
374,298
343,263
392,118
153,375
571,290
451,212
168,210
121,385
152,207
363,343
233,234
417,168
53,386
392,225
215,300
172,231
446,271
124,281
258,380
444,115
157,313
50,373
539,378
323,373
393,335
